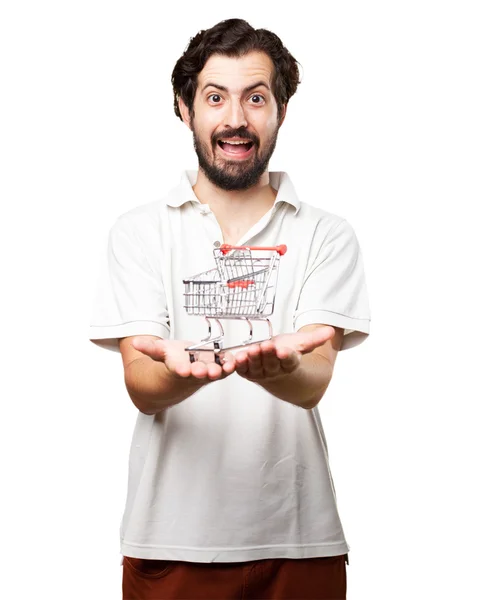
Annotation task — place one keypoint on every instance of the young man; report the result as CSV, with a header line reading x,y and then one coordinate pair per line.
x,y
230,494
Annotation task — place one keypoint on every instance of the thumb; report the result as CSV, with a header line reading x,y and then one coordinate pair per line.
x,y
153,348
315,338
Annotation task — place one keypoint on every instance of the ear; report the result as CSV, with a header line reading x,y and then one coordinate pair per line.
x,y
185,113
283,115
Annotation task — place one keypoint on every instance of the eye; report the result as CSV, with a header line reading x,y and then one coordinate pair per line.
x,y
257,96
214,96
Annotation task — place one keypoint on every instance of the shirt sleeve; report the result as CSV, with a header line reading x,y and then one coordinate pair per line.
x,y
130,298
334,290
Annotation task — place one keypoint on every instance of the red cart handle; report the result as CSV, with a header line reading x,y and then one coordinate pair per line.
x,y
243,283
279,249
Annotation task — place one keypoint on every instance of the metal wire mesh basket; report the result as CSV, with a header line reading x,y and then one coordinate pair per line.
x,y
242,286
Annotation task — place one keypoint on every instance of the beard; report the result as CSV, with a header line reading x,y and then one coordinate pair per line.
x,y
234,174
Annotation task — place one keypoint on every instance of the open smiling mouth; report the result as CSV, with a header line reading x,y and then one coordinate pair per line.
x,y
236,149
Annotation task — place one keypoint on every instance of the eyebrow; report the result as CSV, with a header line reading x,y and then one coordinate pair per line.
x,y
225,89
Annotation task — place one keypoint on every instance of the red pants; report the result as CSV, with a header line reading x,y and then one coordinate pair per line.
x,y
321,578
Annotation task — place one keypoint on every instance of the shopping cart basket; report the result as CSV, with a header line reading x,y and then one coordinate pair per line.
x,y
242,286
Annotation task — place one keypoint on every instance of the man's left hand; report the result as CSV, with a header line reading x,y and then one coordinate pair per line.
x,y
280,355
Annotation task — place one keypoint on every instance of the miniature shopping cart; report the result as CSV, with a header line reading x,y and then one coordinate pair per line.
x,y
242,286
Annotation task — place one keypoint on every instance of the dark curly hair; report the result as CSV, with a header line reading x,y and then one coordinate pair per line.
x,y
233,38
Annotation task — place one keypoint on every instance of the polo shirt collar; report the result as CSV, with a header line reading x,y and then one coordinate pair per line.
x,y
280,180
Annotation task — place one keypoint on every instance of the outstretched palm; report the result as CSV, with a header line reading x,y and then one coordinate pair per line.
x,y
172,353
279,355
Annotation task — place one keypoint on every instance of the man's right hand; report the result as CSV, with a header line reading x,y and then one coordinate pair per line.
x,y
173,355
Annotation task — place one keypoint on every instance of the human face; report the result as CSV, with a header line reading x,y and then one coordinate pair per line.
x,y
234,101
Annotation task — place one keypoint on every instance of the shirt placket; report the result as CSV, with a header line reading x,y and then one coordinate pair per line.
x,y
211,225
215,234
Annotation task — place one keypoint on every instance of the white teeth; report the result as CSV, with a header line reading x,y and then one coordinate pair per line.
x,y
235,143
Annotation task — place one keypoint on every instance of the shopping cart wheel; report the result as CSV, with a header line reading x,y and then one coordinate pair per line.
x,y
216,346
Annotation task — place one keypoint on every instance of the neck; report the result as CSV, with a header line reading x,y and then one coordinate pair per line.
x,y
236,207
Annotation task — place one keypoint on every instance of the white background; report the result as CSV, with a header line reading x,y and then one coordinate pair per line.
x,y
383,131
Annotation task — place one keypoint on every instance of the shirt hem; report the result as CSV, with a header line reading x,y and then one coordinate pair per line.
x,y
210,555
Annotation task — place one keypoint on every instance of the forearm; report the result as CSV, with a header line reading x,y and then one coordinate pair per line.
x,y
152,388
305,386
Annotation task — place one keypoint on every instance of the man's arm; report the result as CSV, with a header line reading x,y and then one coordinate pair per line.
x,y
295,367
158,373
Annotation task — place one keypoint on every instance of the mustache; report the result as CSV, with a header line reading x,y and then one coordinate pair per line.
x,y
240,134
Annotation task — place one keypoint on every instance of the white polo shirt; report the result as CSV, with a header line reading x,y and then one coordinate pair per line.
x,y
232,473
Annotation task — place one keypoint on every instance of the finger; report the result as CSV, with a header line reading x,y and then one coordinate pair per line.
x,y
313,339
229,367
268,346
255,362
199,370
289,359
241,361
271,362
214,371
228,363
183,370
152,348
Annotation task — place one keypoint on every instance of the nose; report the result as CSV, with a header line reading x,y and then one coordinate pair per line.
x,y
235,115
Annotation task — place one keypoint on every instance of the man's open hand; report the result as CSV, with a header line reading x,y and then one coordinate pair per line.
x,y
177,360
280,355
